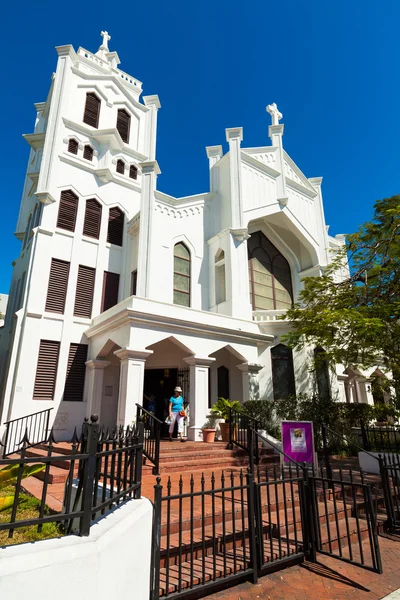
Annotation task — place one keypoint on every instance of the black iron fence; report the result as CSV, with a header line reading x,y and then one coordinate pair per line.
x,y
152,436
381,438
241,428
389,465
33,427
103,469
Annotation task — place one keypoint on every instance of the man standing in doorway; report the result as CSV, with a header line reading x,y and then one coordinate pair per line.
x,y
176,413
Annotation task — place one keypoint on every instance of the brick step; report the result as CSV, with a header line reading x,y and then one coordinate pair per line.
x,y
203,464
211,567
40,453
173,456
56,475
60,448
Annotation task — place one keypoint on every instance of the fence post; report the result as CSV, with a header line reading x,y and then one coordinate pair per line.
x,y
156,541
250,447
230,443
364,436
139,457
251,500
326,456
156,467
6,439
89,471
386,492
309,518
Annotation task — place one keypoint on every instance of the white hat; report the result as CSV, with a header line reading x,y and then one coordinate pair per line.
x,y
178,389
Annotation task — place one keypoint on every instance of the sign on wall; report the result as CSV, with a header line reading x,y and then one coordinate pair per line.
x,y
298,441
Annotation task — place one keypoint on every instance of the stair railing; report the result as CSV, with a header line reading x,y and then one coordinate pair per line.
x,y
240,425
152,436
34,427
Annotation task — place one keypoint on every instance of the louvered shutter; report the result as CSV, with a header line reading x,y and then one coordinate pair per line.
x,y
133,172
115,226
58,284
67,210
92,110
46,371
124,124
88,152
121,167
73,146
92,222
76,368
110,290
84,292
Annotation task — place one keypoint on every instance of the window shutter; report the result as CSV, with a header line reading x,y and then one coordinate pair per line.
x,y
92,110
76,368
73,146
133,283
124,124
46,371
67,210
121,167
115,226
110,290
88,152
92,222
133,172
84,292
58,284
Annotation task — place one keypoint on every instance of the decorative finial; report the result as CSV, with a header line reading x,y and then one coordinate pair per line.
x,y
106,39
275,114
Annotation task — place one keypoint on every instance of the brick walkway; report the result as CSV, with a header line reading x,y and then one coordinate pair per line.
x,y
330,579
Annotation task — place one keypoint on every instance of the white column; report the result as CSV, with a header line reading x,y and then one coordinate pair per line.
x,y
131,381
153,102
94,386
250,383
214,153
150,170
276,134
199,368
234,136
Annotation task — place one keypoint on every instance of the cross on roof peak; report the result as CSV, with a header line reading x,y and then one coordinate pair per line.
x,y
275,114
106,39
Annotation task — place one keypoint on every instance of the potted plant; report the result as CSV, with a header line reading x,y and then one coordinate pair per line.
x,y
222,410
209,430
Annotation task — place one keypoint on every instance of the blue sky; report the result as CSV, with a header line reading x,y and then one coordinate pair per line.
x,y
332,66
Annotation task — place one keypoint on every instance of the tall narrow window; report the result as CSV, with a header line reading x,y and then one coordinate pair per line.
x,y
84,292
283,380
67,210
120,167
73,146
110,290
269,274
220,285
322,373
92,222
133,172
115,226
124,124
46,370
223,382
75,377
92,110
133,283
181,275
88,152
58,284
27,232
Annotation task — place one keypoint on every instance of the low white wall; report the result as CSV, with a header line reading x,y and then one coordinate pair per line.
x,y
369,464
112,562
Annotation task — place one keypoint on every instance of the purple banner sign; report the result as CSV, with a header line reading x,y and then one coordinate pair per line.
x,y
298,441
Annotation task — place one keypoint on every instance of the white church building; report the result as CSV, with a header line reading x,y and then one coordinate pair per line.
x,y
121,290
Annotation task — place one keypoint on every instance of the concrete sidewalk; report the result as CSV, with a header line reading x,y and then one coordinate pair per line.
x,y
329,579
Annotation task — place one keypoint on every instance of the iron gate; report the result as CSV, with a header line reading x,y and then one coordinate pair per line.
x,y
389,465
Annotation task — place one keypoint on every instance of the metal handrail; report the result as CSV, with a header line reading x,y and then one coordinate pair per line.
x,y
149,414
35,421
151,445
27,416
264,439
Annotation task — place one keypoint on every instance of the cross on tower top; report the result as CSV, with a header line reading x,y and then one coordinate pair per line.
x,y
275,114
106,39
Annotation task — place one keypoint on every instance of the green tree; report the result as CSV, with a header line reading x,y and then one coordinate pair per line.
x,y
355,315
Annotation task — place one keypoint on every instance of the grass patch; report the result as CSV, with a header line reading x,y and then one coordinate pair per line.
x,y
28,508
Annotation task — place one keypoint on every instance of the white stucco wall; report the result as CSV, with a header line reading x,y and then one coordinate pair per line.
x,y
113,559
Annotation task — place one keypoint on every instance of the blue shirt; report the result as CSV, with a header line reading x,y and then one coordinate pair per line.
x,y
177,404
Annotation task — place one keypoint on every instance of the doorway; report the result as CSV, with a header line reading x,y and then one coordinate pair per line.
x,y
160,383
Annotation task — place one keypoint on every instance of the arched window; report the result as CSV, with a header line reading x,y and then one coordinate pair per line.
x,y
73,146
67,210
223,382
115,231
181,275
220,285
322,373
124,124
92,110
92,222
120,166
133,172
269,274
282,372
88,152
